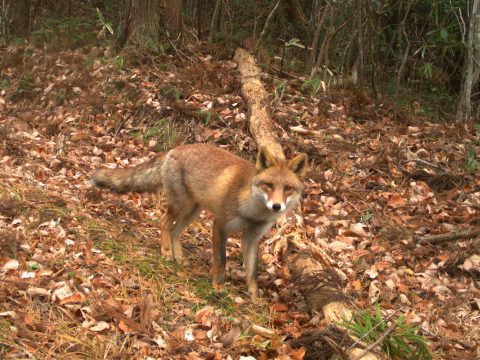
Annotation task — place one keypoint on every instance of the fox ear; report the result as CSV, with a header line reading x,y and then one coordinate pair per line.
x,y
298,165
264,159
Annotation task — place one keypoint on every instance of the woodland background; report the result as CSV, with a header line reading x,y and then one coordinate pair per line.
x,y
382,95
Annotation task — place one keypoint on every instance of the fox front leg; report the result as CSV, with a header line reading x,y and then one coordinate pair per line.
x,y
250,243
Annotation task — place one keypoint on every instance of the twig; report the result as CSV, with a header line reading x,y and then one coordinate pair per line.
x,y
423,162
376,342
452,236
337,348
266,25
369,331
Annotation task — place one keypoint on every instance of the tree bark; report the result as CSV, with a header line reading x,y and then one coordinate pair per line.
x,y
320,292
140,24
173,18
16,17
472,66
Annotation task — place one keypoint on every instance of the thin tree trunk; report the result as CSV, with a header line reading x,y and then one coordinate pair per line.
x,y
265,27
199,18
216,14
464,109
323,53
476,42
401,69
360,43
316,36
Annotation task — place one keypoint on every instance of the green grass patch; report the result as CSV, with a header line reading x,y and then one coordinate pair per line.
x,y
403,342
471,164
163,131
202,287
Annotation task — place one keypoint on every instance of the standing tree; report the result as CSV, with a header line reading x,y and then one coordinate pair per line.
x,y
472,65
141,22
15,18
173,18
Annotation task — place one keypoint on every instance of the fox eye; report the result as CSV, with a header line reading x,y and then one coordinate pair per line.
x,y
268,185
288,188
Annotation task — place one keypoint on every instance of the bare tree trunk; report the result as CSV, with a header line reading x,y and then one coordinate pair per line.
x,y
464,109
401,69
360,43
199,18
322,58
216,14
476,42
265,27
373,37
173,18
140,24
16,17
318,29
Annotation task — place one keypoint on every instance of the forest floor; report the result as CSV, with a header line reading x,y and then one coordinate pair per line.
x,y
80,271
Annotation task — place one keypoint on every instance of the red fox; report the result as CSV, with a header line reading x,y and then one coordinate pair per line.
x,y
242,197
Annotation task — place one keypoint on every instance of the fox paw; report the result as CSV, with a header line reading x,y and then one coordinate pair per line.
x,y
183,261
167,254
218,287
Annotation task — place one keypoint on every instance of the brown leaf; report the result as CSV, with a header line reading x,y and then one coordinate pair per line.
x,y
122,325
75,298
279,307
297,354
396,201
29,320
205,316
357,285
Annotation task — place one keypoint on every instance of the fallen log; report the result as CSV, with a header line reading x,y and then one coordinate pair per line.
x,y
311,268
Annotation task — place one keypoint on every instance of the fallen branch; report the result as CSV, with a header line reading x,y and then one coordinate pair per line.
x,y
452,236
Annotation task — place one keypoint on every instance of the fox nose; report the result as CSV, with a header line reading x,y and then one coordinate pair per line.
x,y
276,207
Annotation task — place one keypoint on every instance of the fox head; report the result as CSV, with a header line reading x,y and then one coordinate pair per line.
x,y
279,183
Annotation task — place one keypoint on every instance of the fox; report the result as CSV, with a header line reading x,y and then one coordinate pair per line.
x,y
242,196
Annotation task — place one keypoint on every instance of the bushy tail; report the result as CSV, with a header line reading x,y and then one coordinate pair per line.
x,y
146,177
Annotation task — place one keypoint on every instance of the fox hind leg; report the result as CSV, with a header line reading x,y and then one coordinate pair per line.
x,y
175,233
168,223
177,218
